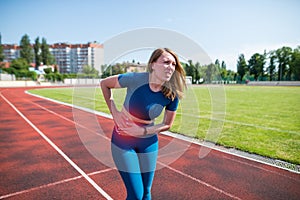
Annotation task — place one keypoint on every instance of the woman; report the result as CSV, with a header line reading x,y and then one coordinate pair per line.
x,y
134,138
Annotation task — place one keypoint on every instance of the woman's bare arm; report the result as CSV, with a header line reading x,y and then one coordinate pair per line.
x,y
120,120
166,124
106,85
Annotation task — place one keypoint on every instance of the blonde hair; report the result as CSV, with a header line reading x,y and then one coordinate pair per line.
x,y
176,85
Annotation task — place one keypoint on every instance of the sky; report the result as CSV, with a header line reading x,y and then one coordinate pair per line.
x,y
224,29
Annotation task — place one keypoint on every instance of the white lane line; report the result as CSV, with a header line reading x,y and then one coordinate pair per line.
x,y
223,150
52,184
91,181
194,141
173,169
261,168
179,136
71,121
201,182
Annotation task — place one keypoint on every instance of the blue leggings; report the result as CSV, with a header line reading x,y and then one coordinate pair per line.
x,y
135,159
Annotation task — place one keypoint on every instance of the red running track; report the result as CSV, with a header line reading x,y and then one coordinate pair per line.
x,y
44,157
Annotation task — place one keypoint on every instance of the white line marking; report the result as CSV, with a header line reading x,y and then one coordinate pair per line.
x,y
102,114
71,121
52,184
175,170
223,150
91,181
199,181
194,141
178,136
261,168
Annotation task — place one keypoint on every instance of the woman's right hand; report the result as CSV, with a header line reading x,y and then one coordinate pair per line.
x,y
120,119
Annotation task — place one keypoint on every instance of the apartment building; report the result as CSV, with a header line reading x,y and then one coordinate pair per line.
x,y
70,58
10,51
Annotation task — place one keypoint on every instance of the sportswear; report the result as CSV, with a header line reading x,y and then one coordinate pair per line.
x,y
135,157
140,100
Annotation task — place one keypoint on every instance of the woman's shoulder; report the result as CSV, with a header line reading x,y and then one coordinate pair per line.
x,y
136,78
140,74
135,74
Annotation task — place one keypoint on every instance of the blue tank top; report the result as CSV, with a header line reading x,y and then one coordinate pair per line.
x,y
140,100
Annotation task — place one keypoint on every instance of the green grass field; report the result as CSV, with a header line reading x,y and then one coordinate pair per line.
x,y
257,119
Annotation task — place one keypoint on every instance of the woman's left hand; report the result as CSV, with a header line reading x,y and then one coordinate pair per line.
x,y
132,129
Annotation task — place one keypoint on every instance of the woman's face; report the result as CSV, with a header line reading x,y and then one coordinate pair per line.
x,y
164,67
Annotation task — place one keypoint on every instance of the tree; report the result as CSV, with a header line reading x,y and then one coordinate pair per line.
x,y
37,49
256,65
283,56
113,70
89,71
1,50
272,65
217,63
230,75
223,71
19,67
197,72
209,73
241,66
47,57
295,64
25,49
19,64
48,70
223,65
190,70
